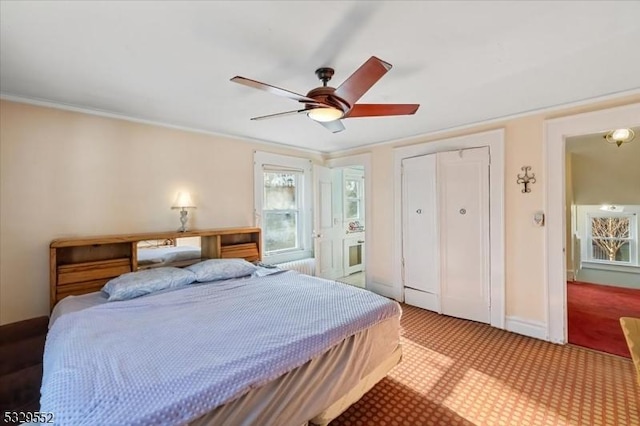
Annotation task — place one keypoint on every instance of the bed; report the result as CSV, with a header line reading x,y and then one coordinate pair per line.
x,y
274,348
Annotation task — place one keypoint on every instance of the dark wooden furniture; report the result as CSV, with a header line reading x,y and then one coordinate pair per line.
x,y
21,350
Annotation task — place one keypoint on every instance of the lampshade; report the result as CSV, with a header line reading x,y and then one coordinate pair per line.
x,y
183,201
324,115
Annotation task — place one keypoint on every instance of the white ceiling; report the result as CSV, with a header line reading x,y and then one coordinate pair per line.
x,y
170,62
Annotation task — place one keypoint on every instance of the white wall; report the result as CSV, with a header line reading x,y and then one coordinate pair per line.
x,y
66,174
69,174
603,173
568,210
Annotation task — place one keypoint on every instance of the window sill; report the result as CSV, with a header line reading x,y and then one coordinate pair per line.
x,y
631,269
287,257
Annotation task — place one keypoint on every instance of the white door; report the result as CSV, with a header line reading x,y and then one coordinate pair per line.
x,y
420,243
327,241
463,198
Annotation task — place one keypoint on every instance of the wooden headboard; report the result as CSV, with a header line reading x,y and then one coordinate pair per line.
x,y
83,265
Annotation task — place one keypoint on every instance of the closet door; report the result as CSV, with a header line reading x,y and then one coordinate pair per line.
x,y
463,198
420,232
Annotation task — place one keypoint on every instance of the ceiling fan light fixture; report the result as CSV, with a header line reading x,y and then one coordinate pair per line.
x,y
324,115
620,136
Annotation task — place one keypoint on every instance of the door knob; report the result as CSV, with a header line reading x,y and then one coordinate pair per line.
x,y
419,211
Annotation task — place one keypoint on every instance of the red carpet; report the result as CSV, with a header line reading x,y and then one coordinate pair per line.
x,y
594,313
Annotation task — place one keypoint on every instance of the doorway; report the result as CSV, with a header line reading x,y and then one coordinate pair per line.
x,y
556,133
603,263
351,194
342,210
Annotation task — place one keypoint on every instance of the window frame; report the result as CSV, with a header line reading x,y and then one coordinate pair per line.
x,y
586,236
268,162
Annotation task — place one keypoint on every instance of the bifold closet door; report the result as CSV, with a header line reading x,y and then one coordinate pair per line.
x,y
420,232
463,199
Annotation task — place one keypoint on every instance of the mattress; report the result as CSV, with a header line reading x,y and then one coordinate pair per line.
x,y
299,394
307,391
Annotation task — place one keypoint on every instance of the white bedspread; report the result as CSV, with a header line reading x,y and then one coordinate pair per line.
x,y
170,358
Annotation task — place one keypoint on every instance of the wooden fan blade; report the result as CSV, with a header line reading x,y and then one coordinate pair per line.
x,y
378,110
280,114
360,81
272,89
334,126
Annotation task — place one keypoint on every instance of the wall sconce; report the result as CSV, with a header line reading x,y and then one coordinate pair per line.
x,y
525,179
183,202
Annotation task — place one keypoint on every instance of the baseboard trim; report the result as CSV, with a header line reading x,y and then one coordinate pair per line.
x,y
535,329
571,276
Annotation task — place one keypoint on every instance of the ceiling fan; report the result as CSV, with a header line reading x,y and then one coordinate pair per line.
x,y
327,105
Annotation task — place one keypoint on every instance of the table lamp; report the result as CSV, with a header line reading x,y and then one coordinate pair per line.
x,y
183,202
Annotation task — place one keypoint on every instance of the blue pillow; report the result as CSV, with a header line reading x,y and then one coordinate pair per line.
x,y
221,269
136,284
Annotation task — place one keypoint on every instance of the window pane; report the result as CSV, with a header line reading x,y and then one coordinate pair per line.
x,y
610,250
280,231
610,227
353,209
280,191
352,188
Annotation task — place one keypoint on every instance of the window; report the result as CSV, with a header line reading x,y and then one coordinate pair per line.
x,y
354,195
609,236
283,206
353,199
281,210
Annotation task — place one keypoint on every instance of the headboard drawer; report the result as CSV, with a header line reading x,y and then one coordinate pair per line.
x,y
90,271
79,288
248,251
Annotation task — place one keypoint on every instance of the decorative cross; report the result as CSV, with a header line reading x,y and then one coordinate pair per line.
x,y
525,179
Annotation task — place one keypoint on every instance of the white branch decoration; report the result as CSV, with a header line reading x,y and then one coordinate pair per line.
x,y
610,233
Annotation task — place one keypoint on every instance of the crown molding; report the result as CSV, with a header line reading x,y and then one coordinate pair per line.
x,y
496,120
325,154
108,114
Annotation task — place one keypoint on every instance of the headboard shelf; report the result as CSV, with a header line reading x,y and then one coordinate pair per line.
x,y
82,265
248,232
89,253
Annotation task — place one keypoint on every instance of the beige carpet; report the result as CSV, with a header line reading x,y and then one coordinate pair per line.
x,y
457,372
